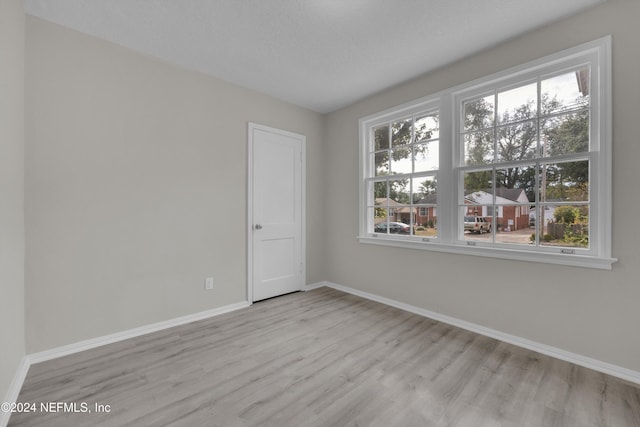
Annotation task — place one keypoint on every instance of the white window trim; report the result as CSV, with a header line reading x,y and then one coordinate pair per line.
x,y
597,256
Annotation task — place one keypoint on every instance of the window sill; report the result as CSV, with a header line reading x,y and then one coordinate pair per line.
x,y
500,253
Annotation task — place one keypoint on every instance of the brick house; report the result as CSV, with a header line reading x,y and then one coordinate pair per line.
x,y
511,207
426,212
423,211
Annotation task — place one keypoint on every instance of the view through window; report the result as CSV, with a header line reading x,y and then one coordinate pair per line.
x,y
402,195
526,163
514,165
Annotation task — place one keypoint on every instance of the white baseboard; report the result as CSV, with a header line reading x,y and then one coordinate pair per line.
x,y
587,362
130,333
14,389
312,286
28,360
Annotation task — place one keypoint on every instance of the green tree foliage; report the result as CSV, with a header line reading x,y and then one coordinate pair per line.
x,y
398,191
380,212
478,181
572,221
517,139
428,186
479,116
398,142
567,214
569,134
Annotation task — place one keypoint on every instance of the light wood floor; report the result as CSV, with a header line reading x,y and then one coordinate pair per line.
x,y
324,358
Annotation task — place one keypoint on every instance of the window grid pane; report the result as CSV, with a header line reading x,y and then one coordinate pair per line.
x,y
406,151
536,120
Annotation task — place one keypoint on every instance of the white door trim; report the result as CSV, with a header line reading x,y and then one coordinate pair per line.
x,y
250,221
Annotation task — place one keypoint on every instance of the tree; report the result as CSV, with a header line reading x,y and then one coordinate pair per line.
x,y
379,212
478,181
571,135
398,141
428,186
478,145
479,118
517,139
397,190
567,214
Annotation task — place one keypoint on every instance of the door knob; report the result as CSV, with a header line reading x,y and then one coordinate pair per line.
x,y
258,227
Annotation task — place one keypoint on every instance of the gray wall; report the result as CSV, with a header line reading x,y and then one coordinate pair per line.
x,y
589,312
136,187
11,190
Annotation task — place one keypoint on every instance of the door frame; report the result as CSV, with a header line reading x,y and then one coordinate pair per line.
x,y
250,222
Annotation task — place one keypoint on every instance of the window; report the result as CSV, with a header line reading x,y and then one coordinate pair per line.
x,y
402,160
517,164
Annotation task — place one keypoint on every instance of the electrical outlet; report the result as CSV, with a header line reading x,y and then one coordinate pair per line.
x,y
208,283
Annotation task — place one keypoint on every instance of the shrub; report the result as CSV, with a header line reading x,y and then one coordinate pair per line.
x,y
576,239
567,214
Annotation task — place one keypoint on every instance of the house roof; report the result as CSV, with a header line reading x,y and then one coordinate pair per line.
x,y
385,201
517,195
429,199
510,194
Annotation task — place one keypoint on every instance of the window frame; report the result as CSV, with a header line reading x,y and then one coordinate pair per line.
x,y
426,107
449,102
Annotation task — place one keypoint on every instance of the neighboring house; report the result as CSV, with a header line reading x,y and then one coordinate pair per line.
x,y
512,209
549,214
388,206
405,213
509,217
426,213
422,215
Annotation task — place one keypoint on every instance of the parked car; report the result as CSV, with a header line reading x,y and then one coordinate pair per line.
x,y
394,228
477,224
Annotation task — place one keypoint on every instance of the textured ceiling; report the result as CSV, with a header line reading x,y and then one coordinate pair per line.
x,y
319,54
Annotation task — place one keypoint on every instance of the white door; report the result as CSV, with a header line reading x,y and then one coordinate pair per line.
x,y
276,212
